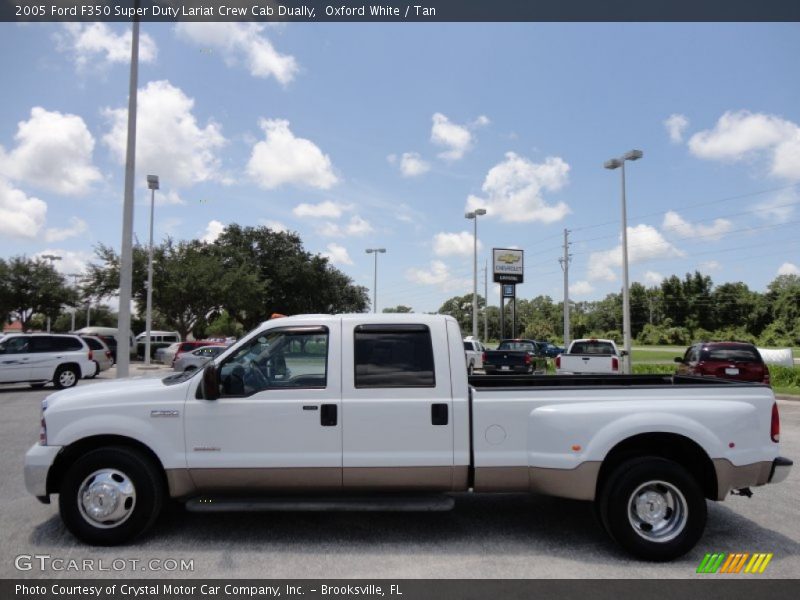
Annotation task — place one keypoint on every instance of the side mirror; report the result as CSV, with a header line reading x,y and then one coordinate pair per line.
x,y
678,359
210,383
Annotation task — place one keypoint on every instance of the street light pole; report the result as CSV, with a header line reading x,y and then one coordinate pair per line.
x,y
152,184
126,251
474,216
375,251
75,277
52,258
619,163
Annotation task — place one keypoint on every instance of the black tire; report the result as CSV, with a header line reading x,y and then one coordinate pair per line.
x,y
134,515
66,377
671,504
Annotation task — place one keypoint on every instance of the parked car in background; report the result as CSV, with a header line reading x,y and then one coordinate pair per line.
x,y
551,350
589,357
515,357
195,359
39,358
158,339
729,360
184,347
109,337
101,354
473,350
165,355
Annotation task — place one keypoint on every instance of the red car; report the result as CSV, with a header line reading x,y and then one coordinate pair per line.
x,y
729,360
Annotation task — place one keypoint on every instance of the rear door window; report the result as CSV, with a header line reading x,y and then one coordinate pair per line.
x,y
393,356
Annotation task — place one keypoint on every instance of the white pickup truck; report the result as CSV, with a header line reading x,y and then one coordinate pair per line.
x,y
375,412
589,357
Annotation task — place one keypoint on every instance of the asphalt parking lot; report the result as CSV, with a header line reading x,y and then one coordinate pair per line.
x,y
503,536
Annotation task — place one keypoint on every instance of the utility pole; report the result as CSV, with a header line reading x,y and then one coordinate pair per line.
x,y
485,301
565,266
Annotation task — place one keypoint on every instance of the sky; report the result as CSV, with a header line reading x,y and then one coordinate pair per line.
x,y
366,135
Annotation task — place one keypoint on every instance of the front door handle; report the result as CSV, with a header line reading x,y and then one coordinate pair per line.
x,y
439,414
328,415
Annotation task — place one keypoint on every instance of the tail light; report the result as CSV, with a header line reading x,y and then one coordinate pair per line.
x,y
483,357
766,375
91,355
558,361
614,363
775,427
108,354
527,359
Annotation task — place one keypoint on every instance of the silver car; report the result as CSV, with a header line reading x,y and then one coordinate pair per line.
x,y
101,354
166,354
189,361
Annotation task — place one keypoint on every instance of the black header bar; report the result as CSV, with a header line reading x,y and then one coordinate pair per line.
x,y
401,11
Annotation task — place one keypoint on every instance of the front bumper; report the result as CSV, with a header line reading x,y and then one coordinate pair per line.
x,y
780,469
38,461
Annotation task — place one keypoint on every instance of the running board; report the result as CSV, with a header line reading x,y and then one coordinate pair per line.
x,y
365,504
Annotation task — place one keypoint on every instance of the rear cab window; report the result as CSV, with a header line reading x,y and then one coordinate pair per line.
x,y
593,347
393,356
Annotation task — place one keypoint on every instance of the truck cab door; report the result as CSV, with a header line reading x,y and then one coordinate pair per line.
x,y
277,424
397,409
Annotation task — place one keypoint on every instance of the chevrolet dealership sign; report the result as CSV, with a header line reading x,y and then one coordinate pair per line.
x,y
508,265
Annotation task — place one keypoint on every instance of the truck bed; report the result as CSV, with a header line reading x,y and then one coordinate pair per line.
x,y
577,381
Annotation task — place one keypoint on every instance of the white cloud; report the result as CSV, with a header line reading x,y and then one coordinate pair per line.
x,y
676,224
97,43
171,198
788,268
21,216
241,43
282,158
169,141
645,243
53,152
514,189
709,265
778,209
481,121
580,288
439,275
676,124
653,278
323,210
413,165
456,139
274,225
71,262
454,244
741,134
76,227
337,255
213,231
356,227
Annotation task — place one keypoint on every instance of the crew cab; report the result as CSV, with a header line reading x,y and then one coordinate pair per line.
x,y
473,352
376,412
589,357
515,357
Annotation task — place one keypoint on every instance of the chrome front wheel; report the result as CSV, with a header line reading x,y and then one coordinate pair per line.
x,y
106,498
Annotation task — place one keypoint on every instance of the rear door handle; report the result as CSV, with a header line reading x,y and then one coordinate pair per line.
x,y
328,416
439,414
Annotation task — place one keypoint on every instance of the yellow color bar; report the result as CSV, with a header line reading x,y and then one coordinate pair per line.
x,y
765,563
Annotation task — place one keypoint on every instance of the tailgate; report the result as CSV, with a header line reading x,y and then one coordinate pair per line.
x,y
583,363
505,357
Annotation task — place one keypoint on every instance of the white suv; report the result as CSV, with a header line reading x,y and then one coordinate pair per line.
x,y
40,358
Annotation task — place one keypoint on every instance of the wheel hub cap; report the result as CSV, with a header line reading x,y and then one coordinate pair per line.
x,y
106,498
657,511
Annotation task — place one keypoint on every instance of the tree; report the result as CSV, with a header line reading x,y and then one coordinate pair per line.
x,y
400,308
5,292
33,286
460,308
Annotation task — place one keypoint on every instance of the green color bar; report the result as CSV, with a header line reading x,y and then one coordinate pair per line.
x,y
702,567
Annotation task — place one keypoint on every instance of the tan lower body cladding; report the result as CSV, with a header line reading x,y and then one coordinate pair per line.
x,y
578,483
187,482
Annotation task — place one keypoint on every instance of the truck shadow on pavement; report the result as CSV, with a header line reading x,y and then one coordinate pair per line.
x,y
496,525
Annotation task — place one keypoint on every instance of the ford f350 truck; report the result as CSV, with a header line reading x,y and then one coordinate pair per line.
x,y
376,412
